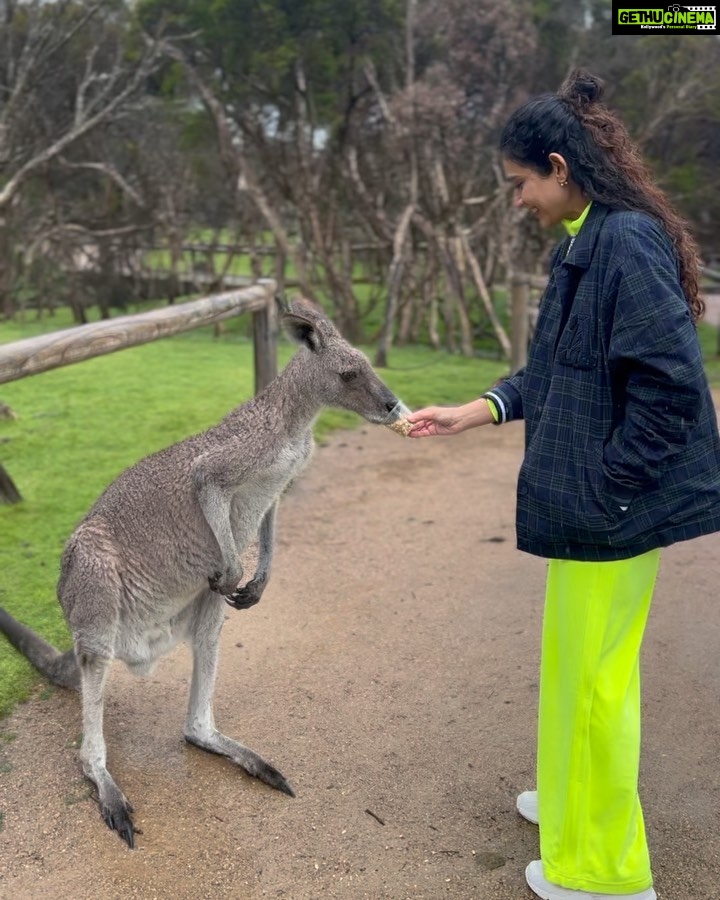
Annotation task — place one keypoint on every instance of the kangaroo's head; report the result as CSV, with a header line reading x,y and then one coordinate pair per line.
x,y
338,374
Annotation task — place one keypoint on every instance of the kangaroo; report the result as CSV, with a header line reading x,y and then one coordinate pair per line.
x,y
157,558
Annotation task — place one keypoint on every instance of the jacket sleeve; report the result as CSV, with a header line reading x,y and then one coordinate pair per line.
x,y
657,369
506,396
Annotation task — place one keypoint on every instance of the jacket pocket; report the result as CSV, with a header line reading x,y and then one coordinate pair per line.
x,y
577,345
619,495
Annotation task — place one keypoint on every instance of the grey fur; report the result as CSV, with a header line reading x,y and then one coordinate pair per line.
x,y
157,558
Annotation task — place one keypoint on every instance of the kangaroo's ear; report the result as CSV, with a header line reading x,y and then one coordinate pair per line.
x,y
302,331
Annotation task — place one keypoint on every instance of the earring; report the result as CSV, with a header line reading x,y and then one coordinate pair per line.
x,y
563,183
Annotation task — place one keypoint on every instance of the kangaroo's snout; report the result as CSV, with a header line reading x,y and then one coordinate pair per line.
x,y
377,403
397,411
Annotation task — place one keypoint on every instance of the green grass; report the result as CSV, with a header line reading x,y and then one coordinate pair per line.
x,y
78,427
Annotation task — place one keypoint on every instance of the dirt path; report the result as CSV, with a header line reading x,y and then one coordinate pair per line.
x,y
390,672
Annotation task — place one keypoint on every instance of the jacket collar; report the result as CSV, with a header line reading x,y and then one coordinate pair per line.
x,y
580,250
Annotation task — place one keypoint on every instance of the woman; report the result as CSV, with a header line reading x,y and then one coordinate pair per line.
x,y
621,458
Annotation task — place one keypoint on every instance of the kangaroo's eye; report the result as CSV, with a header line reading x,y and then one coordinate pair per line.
x,y
348,376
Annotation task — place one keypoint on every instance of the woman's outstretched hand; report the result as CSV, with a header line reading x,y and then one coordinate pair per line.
x,y
441,420
434,420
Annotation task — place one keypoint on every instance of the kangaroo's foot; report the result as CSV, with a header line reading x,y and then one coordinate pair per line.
x,y
118,817
248,760
114,807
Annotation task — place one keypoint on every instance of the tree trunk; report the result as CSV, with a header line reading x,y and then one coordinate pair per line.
x,y
454,291
7,301
500,332
394,281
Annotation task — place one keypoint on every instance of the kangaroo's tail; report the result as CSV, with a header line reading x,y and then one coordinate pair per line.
x,y
60,668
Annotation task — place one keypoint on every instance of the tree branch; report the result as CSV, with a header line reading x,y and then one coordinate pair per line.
x,y
80,129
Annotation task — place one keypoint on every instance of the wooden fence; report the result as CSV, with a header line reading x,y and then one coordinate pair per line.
x,y
71,345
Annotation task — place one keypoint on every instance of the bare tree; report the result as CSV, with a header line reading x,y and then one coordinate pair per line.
x,y
103,91
65,74
422,162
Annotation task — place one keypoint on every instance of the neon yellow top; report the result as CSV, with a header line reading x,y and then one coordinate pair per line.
x,y
573,226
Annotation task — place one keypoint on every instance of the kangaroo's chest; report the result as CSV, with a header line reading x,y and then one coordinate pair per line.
x,y
265,485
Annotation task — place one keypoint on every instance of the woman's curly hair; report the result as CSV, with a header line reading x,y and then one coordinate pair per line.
x,y
602,159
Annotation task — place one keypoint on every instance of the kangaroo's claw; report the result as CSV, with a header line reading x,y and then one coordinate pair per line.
x,y
245,597
120,820
225,583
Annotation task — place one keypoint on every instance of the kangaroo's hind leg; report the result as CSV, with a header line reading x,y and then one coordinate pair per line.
x,y
114,807
204,635
91,594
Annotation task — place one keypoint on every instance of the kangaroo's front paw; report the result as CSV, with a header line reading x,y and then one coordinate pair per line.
x,y
247,596
226,582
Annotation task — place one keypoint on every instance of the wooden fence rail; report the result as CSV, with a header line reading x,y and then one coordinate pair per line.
x,y
71,345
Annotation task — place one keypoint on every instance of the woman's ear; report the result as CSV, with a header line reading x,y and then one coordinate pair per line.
x,y
561,171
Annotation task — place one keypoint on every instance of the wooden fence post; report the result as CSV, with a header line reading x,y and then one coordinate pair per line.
x,y
265,335
519,309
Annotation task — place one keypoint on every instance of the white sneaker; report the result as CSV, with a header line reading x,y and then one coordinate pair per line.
x,y
527,806
539,885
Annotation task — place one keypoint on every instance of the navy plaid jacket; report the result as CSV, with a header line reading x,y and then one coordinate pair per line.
x,y
621,440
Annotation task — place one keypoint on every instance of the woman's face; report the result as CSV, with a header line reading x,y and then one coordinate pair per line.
x,y
542,195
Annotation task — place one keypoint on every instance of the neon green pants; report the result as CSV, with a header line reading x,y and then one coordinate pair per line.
x,y
592,835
